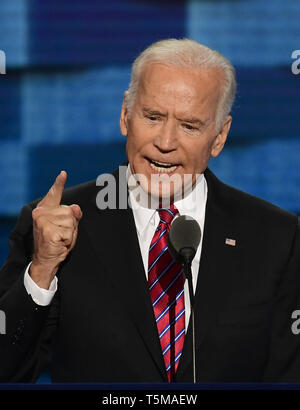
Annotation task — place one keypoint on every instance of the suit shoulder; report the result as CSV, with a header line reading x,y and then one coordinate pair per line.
x,y
79,193
251,207
258,204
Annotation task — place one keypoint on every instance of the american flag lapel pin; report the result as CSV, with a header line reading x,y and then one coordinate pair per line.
x,y
230,242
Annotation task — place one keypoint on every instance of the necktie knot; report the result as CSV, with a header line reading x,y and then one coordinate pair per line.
x,y
166,215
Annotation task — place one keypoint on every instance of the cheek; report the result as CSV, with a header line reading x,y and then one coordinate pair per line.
x,y
132,146
132,137
197,156
131,150
139,138
135,147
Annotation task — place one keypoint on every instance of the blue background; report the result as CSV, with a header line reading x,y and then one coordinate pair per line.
x,y
68,64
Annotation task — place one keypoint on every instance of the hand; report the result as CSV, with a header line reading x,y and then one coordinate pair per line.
x,y
55,229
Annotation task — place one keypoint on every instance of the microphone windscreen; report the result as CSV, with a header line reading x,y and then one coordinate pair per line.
x,y
185,232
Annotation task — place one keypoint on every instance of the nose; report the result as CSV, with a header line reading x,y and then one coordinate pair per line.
x,y
166,137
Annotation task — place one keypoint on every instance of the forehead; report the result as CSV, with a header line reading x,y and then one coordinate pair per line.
x,y
161,83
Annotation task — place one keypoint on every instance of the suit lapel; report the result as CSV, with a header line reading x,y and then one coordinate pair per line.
x,y
124,262
217,258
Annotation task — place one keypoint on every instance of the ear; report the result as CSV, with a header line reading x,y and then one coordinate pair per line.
x,y
124,116
221,138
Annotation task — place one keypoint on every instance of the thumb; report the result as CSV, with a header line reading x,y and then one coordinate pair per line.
x,y
76,211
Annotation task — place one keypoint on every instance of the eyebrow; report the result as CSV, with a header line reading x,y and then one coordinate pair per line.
x,y
191,120
153,112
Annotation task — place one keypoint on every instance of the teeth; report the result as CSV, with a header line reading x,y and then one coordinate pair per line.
x,y
163,169
162,163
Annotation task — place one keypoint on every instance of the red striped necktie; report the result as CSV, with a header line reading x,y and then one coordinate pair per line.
x,y
166,286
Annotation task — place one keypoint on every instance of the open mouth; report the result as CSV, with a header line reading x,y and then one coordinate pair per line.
x,y
162,166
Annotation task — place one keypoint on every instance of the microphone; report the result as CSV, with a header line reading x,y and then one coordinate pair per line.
x,y
183,241
184,238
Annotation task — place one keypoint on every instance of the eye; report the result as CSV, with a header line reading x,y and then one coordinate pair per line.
x,y
152,117
189,127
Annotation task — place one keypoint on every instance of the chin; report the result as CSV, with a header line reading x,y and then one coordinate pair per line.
x,y
163,188
164,195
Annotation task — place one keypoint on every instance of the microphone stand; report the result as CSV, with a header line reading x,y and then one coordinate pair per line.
x,y
188,255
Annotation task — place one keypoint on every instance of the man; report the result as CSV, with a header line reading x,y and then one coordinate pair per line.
x,y
95,293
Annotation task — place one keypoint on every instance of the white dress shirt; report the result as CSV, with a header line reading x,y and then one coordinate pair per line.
x,y
39,295
146,222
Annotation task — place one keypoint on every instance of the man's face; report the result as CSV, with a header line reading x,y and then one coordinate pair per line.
x,y
171,130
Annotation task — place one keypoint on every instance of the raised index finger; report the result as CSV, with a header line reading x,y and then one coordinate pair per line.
x,y
54,194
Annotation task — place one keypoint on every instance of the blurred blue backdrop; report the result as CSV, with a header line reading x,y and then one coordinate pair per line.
x,y
68,64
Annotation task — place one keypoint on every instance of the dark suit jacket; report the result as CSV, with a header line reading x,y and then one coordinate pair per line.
x,y
100,325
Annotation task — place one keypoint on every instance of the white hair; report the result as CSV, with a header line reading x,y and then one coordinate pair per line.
x,y
190,54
